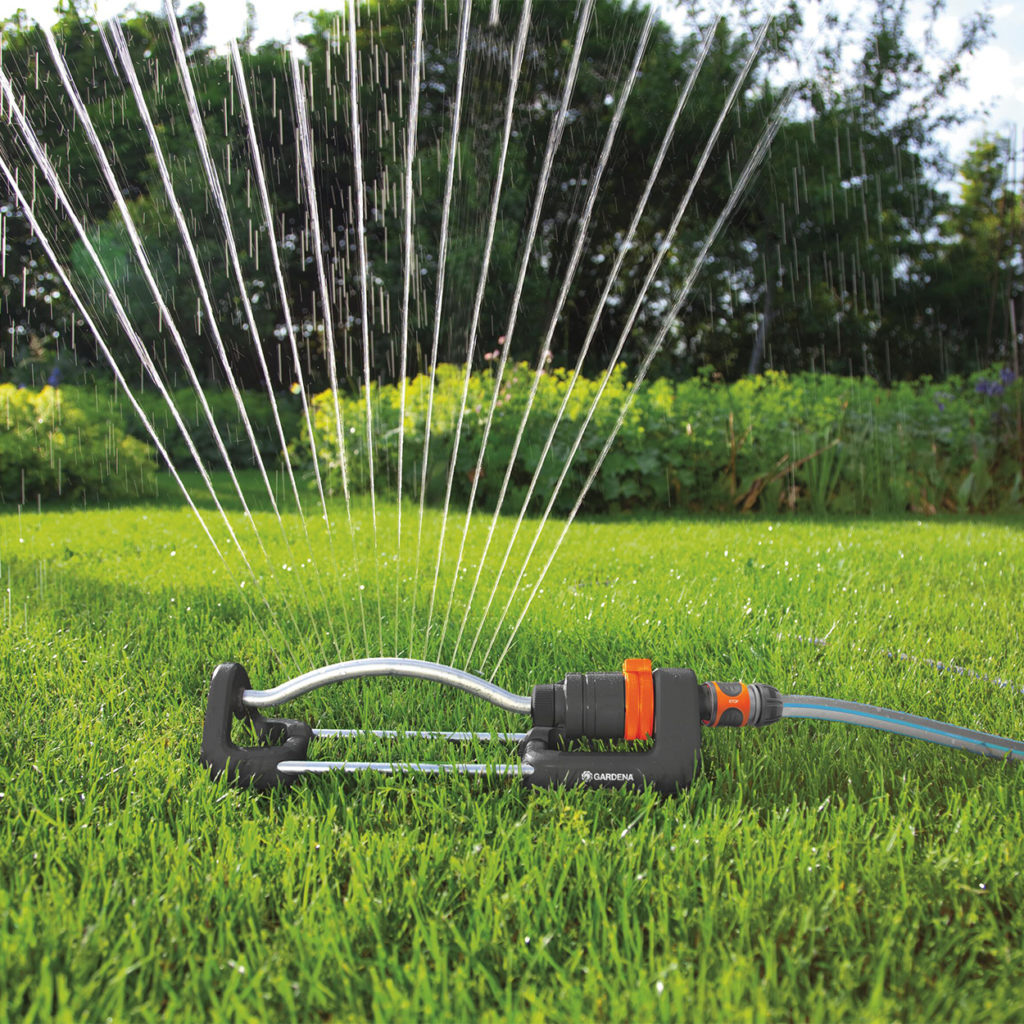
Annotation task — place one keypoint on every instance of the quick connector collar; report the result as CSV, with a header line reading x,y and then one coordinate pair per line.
x,y
739,704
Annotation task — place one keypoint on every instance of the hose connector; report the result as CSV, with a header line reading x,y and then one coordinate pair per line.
x,y
739,704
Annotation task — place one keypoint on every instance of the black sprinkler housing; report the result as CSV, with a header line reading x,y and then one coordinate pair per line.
x,y
593,706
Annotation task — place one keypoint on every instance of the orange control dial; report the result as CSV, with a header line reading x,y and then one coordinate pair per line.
x,y
639,699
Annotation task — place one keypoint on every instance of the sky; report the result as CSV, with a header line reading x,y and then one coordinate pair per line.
x,y
995,74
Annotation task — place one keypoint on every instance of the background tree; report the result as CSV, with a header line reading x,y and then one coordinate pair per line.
x,y
820,266
845,254
971,282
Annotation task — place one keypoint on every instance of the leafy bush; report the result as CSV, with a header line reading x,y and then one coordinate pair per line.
x,y
225,412
58,443
813,442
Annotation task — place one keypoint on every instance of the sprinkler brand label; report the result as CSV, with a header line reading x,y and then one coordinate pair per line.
x,y
606,776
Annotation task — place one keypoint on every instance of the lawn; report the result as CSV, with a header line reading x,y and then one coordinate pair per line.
x,y
813,871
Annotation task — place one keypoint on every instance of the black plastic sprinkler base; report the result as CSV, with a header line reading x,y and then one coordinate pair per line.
x,y
664,709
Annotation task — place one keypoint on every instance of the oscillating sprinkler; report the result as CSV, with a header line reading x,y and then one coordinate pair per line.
x,y
663,709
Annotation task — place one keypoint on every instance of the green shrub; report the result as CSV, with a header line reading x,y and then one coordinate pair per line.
x,y
226,415
812,442
57,443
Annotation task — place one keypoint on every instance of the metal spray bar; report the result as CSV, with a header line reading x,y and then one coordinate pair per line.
x,y
403,767
408,667
267,765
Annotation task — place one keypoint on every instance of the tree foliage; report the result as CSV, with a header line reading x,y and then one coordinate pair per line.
x,y
845,253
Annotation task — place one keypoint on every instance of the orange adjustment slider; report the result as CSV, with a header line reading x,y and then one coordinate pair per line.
x,y
639,699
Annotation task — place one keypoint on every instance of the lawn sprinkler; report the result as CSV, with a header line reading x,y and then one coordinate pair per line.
x,y
662,709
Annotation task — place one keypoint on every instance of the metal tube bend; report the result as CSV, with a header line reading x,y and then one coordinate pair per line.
x,y
409,667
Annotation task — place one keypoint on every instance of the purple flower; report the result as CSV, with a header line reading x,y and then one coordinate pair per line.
x,y
1006,375
54,379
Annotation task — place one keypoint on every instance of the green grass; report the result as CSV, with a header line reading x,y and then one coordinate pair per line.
x,y
814,871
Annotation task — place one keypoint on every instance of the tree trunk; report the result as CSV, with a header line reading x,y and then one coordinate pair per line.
x,y
757,355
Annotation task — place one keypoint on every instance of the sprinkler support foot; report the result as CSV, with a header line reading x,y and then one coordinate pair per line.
x,y
247,766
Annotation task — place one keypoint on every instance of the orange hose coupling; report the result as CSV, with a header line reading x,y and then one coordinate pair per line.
x,y
731,704
639,699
